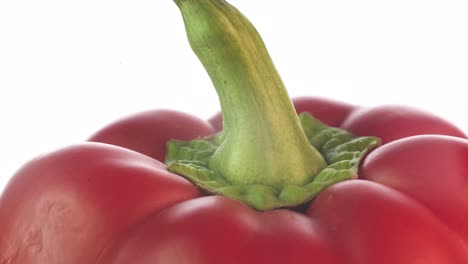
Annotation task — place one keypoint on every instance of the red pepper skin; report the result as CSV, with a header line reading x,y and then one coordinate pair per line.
x,y
371,223
98,203
66,206
330,112
148,132
431,169
388,122
216,229
392,122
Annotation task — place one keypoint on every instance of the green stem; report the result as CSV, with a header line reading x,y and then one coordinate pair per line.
x,y
262,141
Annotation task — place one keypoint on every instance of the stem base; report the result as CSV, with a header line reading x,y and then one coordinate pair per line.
x,y
342,151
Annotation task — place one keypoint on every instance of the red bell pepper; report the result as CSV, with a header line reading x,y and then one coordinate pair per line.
x,y
286,187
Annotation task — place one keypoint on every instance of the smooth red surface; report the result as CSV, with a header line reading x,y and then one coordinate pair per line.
x,y
330,112
212,230
370,223
431,169
148,132
105,204
392,122
68,205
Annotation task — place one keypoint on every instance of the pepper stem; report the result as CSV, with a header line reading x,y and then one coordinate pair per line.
x,y
262,140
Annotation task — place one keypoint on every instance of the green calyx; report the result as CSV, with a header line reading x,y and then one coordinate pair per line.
x,y
341,150
264,156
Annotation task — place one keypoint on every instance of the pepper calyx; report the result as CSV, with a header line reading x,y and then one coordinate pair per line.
x,y
342,151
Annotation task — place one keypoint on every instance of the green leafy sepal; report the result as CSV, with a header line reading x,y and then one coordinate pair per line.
x,y
342,151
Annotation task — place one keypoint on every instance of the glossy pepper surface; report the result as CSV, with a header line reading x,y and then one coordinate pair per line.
x,y
258,184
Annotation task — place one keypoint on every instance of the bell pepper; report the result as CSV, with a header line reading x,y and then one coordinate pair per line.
x,y
335,184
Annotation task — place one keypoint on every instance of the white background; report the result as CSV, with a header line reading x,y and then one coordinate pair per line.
x,y
67,68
